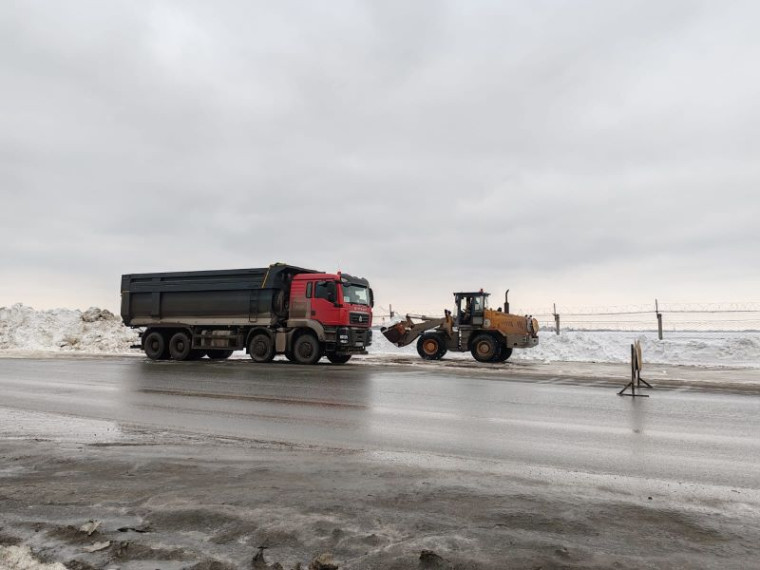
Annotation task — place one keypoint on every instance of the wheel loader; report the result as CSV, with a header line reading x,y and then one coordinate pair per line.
x,y
490,335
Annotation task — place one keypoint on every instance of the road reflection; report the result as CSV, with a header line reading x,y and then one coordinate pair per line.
x,y
280,400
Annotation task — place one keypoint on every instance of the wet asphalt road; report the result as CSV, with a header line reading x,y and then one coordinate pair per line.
x,y
703,438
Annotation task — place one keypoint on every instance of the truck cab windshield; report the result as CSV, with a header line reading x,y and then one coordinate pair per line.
x,y
356,294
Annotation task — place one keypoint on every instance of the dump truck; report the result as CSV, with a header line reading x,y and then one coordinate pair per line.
x,y
280,309
490,335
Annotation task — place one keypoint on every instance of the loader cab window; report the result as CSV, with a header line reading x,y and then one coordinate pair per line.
x,y
325,290
469,306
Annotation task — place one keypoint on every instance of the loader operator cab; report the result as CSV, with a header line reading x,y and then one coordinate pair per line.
x,y
470,307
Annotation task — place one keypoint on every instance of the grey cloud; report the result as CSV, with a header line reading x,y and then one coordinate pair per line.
x,y
418,144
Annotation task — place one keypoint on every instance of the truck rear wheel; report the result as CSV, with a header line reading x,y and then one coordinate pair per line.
x,y
338,358
306,349
196,354
431,347
261,348
484,348
155,346
180,346
219,354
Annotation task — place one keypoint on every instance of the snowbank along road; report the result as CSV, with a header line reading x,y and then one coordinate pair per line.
x,y
27,332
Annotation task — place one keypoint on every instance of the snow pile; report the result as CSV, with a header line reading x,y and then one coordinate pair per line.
x,y
95,330
21,558
693,348
734,349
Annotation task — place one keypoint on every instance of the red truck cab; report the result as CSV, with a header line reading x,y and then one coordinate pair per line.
x,y
337,307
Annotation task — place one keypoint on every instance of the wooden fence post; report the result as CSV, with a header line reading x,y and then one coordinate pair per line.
x,y
556,318
659,319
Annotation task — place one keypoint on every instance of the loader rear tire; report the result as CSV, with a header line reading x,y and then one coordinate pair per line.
x,y
484,348
431,347
504,354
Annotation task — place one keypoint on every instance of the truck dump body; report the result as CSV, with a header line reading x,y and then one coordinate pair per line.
x,y
230,297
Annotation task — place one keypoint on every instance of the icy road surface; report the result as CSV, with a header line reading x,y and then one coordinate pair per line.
x,y
674,435
489,468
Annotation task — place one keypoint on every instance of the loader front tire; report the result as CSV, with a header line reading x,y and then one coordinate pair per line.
x,y
430,347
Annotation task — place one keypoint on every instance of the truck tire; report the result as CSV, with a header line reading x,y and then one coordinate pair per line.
x,y
431,347
278,305
306,349
155,346
180,346
219,354
338,358
504,353
261,348
196,354
484,348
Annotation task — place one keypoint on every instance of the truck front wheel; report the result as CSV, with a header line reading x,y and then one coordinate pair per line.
x,y
155,346
338,358
306,349
261,348
484,348
180,346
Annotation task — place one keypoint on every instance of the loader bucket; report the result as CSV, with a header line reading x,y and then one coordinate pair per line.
x,y
394,333
405,332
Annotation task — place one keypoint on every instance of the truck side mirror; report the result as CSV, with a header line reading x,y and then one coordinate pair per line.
x,y
371,298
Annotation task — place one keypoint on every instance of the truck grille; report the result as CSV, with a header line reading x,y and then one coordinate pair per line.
x,y
359,318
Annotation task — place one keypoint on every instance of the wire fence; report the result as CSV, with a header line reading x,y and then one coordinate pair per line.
x,y
657,316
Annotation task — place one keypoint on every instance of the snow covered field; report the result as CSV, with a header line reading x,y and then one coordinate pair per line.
x,y
27,332
723,349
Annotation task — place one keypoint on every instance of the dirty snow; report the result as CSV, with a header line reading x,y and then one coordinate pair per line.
x,y
21,558
57,427
23,329
28,332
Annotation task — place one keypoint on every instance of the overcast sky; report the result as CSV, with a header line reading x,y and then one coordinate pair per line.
x,y
585,152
